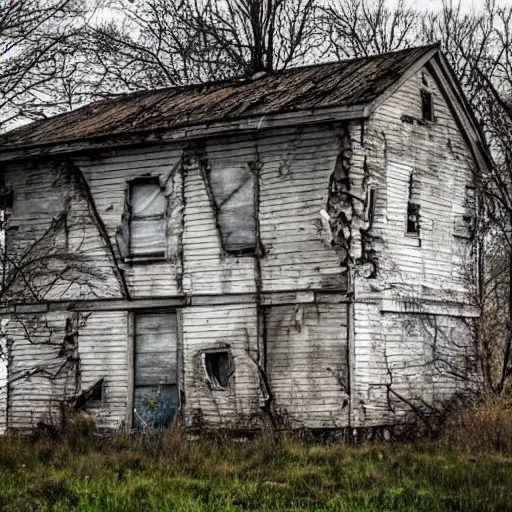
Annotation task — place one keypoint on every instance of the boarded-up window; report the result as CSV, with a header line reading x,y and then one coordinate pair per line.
x,y
233,190
156,370
147,219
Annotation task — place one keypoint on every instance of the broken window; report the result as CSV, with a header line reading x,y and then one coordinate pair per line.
x,y
413,210
217,367
427,106
147,219
92,397
233,190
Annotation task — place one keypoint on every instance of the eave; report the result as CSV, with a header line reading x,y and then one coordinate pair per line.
x,y
186,133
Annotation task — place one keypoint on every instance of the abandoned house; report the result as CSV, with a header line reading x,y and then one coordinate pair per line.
x,y
297,247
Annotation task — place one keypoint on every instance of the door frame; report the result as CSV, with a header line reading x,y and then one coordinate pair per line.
x,y
131,357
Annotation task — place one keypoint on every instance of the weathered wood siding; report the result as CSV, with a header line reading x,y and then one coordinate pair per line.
x,y
207,270
236,329
4,358
426,273
103,349
294,170
307,363
108,177
42,195
37,390
294,183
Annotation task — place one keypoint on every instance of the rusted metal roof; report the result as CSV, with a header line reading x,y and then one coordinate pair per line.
x,y
343,83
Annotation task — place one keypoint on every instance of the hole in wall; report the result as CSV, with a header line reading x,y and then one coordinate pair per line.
x,y
218,367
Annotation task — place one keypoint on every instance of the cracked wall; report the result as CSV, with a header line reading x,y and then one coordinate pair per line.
x,y
419,275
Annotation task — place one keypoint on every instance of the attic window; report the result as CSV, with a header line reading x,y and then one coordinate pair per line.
x,y
413,210
427,106
217,367
147,219
233,190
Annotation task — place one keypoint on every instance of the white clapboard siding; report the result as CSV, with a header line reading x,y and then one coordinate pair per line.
x,y
307,363
41,195
209,327
108,177
206,269
37,388
294,180
103,351
393,349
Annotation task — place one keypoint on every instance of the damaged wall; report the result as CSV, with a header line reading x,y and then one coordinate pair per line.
x,y
104,353
108,177
52,240
43,369
307,363
294,168
416,273
235,329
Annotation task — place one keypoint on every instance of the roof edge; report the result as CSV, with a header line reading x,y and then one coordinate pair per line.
x,y
184,133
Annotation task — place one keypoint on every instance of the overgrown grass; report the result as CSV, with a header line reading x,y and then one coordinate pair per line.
x,y
173,473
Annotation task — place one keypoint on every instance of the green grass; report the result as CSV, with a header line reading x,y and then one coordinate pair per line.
x,y
171,473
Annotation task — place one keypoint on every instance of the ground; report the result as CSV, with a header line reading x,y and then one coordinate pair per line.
x,y
174,473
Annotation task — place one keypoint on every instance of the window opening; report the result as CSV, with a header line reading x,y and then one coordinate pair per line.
x,y
233,191
413,211
147,219
427,105
92,397
370,205
217,366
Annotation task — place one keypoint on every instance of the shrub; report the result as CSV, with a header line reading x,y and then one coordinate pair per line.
x,y
483,426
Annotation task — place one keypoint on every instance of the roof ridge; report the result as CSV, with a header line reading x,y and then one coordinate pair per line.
x,y
242,79
216,100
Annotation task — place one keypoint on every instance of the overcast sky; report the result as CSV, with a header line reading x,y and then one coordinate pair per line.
x,y
436,4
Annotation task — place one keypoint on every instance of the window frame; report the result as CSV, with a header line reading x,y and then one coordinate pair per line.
x,y
208,167
154,256
413,207
427,96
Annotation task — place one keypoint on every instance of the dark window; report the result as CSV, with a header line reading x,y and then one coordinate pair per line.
x,y
92,397
413,210
217,365
96,393
370,205
147,219
413,218
427,106
233,190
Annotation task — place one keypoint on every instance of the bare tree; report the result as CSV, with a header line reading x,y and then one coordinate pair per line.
x,y
33,53
172,42
358,28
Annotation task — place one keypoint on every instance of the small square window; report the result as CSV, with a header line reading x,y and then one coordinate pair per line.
x,y
427,105
217,367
